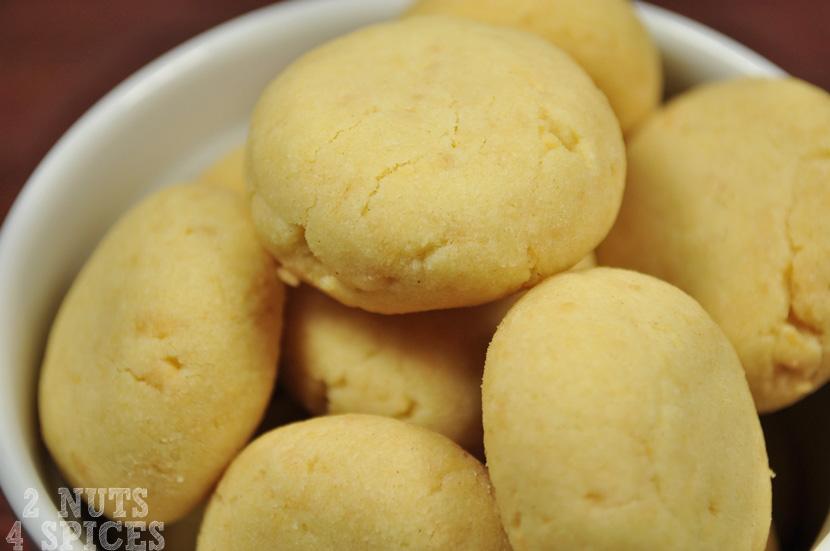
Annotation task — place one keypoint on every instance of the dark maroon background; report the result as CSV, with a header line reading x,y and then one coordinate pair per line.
x,y
58,58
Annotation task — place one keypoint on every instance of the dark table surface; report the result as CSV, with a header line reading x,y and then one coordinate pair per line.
x,y
58,58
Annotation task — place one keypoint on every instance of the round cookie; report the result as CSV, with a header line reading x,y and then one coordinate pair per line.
x,y
727,198
228,171
424,368
353,482
163,355
488,162
604,36
617,416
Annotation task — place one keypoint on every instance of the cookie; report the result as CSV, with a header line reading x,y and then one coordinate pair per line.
x,y
423,368
488,162
163,355
617,416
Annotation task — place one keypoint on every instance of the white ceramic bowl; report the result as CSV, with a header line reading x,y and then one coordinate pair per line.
x,y
162,125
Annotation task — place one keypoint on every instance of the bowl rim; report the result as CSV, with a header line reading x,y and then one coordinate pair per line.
x,y
708,40
18,471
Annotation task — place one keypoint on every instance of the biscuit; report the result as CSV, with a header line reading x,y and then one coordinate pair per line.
x,y
728,199
617,416
424,368
353,482
488,162
604,36
163,355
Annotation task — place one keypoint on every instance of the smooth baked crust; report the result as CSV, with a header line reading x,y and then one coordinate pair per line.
x,y
617,416
728,198
487,162
163,355
353,482
604,36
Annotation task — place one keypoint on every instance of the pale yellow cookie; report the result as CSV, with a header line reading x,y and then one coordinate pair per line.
x,y
228,171
353,482
617,416
163,355
728,198
424,368
604,36
433,163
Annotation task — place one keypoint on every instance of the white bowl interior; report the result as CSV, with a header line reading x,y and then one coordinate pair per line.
x,y
161,126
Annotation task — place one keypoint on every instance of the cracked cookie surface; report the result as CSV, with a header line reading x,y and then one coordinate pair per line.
x,y
728,196
353,482
432,163
161,360
604,398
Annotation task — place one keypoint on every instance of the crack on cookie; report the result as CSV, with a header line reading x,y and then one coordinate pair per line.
x,y
339,132
152,382
457,116
307,211
302,243
426,253
799,373
563,136
532,265
154,326
452,131
174,362
381,176
305,264
594,497
158,374
793,318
